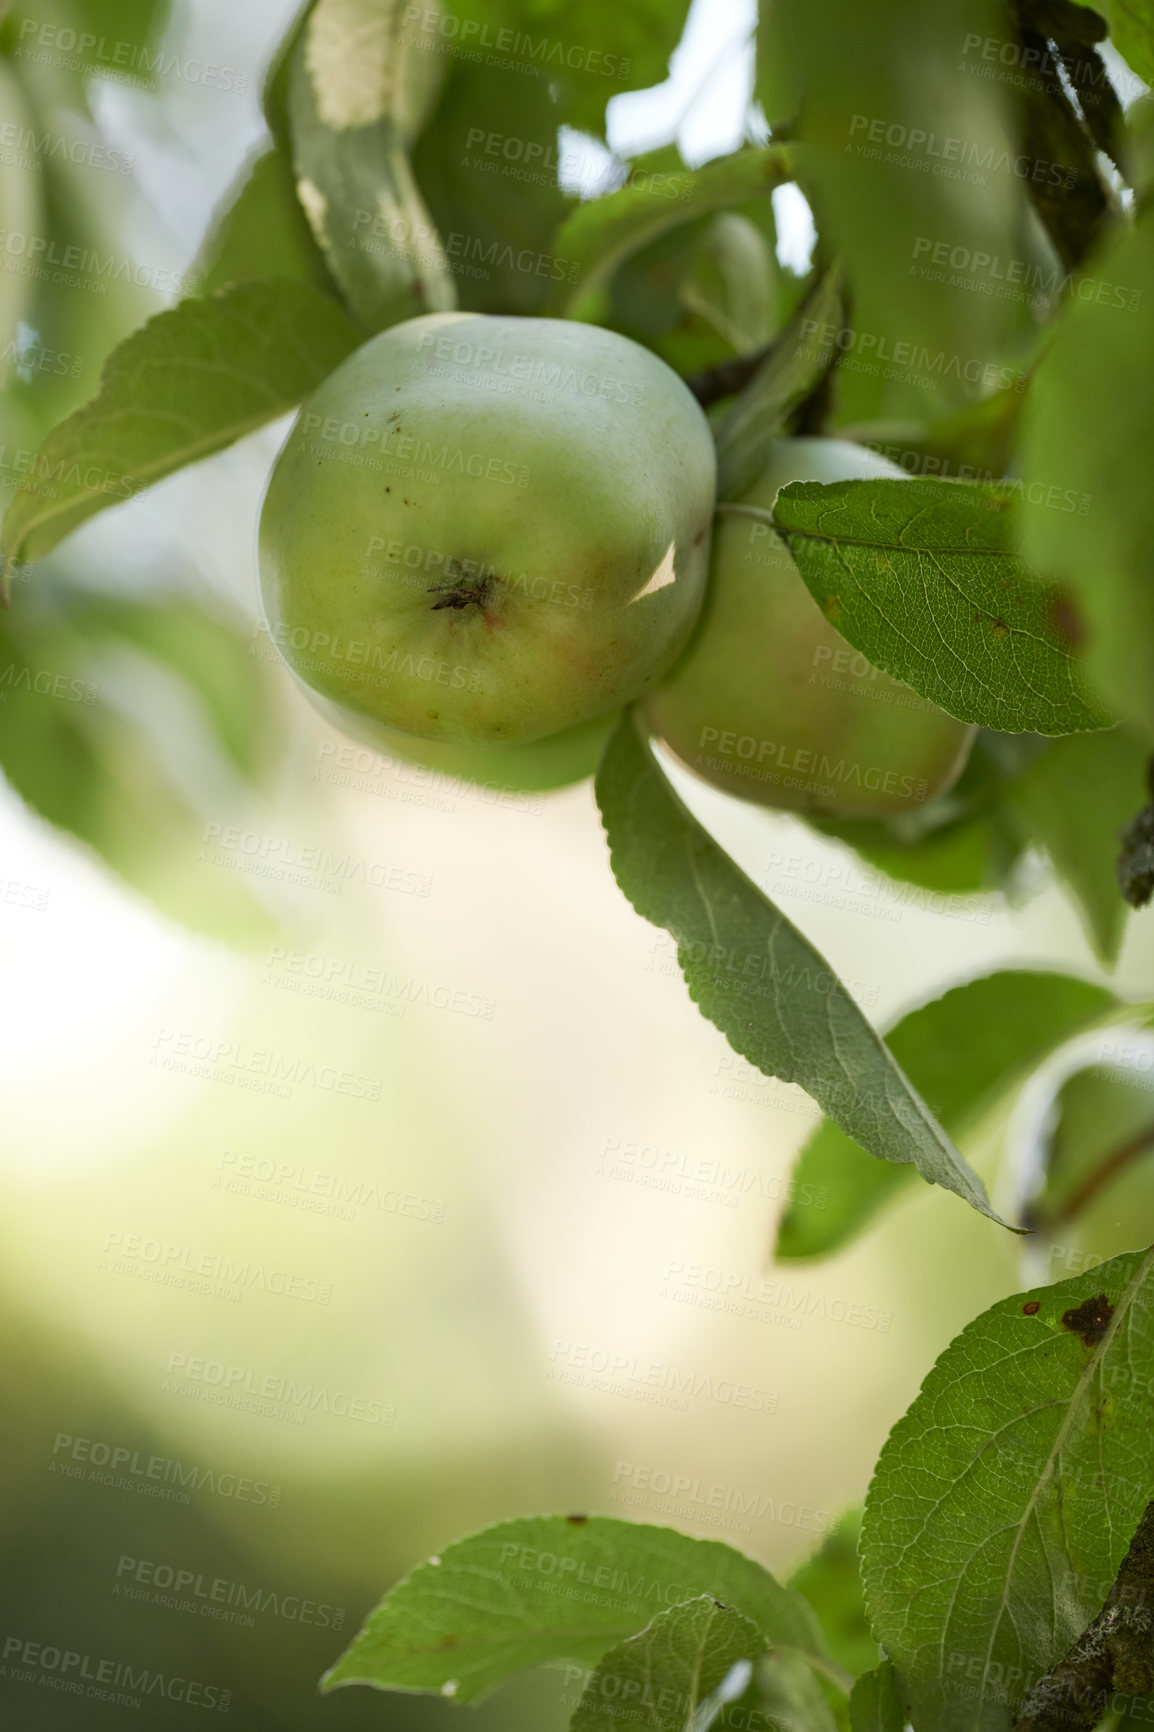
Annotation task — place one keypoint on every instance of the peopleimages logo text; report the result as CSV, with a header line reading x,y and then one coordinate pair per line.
x,y
542,51
68,1667
118,1461
41,251
237,1380
119,58
218,1594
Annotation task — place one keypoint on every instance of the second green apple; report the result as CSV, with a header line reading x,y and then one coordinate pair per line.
x,y
770,702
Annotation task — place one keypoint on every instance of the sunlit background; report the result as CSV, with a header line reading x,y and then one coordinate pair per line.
x,y
408,1058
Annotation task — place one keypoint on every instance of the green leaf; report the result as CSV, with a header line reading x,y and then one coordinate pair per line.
x,y
498,218
754,975
967,858
898,152
1075,800
875,1704
1076,206
961,1051
137,790
581,52
544,1589
487,162
1070,23
102,27
188,383
210,655
1087,432
667,297
140,22
1096,1198
831,1582
601,50
260,230
976,443
922,577
81,215
677,1675
1075,31
21,204
275,93
789,1698
961,843
1132,32
730,289
1005,1499
360,88
601,234
706,290
783,381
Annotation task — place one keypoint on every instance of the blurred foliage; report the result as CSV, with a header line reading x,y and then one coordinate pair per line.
x,y
900,146
138,789
67,1525
963,1052
831,1583
350,157
961,843
1089,427
190,382
497,207
705,291
260,230
788,378
1074,801
130,723
700,293
76,659
1096,1198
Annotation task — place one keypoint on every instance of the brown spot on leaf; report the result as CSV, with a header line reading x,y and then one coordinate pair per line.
x,y
999,628
831,607
576,1521
1032,1307
1066,621
1089,1320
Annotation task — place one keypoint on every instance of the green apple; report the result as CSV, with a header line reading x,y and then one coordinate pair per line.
x,y
488,530
554,762
771,703
557,761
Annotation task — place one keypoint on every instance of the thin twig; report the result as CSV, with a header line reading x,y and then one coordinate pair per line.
x,y
1139,1144
726,377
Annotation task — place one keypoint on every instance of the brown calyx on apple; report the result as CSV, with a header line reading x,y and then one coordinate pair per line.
x,y
464,591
